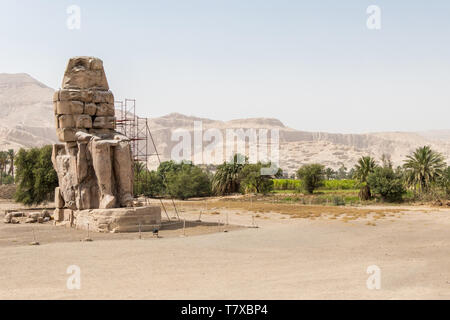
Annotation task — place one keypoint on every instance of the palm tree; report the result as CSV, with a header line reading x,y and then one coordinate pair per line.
x,y
424,167
139,167
227,177
364,167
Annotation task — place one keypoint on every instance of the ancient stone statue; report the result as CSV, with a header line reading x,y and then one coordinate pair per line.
x,y
94,165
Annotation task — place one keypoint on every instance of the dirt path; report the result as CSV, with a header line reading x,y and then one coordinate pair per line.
x,y
285,258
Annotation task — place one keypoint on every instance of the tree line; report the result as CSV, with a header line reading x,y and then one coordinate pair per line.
x,y
7,166
425,172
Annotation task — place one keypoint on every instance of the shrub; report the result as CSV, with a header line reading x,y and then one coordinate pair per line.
x,y
188,181
312,176
148,183
445,182
386,183
253,181
35,177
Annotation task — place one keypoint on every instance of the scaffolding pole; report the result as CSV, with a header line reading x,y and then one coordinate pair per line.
x,y
137,130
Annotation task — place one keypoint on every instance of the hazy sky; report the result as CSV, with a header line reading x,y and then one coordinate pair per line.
x,y
312,64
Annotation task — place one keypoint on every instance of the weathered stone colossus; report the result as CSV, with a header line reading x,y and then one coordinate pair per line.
x,y
94,165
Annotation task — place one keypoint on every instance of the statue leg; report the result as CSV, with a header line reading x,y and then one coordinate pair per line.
x,y
123,168
101,160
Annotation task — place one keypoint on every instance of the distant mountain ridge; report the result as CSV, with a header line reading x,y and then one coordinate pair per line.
x,y
27,118
26,112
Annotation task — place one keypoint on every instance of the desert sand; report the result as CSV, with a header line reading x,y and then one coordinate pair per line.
x,y
284,258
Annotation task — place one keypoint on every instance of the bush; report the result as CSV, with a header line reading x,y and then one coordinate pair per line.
x,y
187,181
7,179
148,183
312,176
253,181
386,183
444,182
35,177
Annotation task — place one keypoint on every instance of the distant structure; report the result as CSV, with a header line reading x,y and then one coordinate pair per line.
x,y
95,164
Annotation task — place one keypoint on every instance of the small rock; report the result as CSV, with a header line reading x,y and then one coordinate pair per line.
x,y
8,218
30,220
15,221
45,214
18,214
46,219
35,215
40,220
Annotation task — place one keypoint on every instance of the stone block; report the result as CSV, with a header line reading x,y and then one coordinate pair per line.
x,y
69,107
59,201
105,109
66,121
83,121
90,109
103,97
103,123
58,215
56,96
66,134
85,73
119,219
76,95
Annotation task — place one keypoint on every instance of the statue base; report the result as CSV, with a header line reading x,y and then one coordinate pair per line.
x,y
133,219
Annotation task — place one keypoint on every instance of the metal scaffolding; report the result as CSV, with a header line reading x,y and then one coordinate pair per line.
x,y
137,130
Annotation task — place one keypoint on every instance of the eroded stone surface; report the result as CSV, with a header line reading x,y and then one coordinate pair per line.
x,y
119,219
94,165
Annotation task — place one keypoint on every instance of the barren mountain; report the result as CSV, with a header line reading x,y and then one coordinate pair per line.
x,y
26,112
27,120
300,147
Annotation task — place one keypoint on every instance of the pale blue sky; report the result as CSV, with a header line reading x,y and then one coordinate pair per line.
x,y
312,64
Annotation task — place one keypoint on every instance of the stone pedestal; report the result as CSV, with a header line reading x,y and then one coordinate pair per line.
x,y
118,219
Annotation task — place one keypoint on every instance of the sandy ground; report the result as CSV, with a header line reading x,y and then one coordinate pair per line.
x,y
284,258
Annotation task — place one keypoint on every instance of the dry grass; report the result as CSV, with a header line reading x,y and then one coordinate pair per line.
x,y
294,210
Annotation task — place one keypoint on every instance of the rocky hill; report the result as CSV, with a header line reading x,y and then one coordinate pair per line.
x,y
26,112
300,147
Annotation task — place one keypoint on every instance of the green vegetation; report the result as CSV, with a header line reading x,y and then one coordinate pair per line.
x,y
386,183
364,167
328,185
312,176
188,181
444,182
179,180
228,176
425,176
35,177
345,184
253,181
7,167
424,168
286,184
